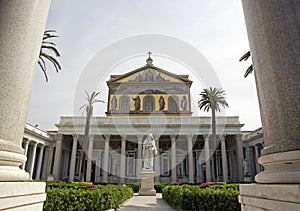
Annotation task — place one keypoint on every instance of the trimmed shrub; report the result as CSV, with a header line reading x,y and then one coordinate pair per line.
x,y
135,186
195,198
81,198
159,186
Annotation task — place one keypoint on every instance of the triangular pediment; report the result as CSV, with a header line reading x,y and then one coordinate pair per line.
x,y
149,74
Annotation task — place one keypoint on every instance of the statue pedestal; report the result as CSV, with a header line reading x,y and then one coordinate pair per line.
x,y
147,183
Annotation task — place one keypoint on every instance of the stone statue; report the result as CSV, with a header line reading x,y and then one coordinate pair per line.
x,y
161,103
183,103
245,167
137,103
114,103
149,151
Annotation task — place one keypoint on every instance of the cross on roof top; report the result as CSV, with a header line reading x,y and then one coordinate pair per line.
x,y
149,53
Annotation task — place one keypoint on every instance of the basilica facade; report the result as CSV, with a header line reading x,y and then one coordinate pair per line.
x,y
149,100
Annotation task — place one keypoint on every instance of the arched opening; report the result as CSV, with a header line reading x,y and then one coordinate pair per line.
x,y
149,104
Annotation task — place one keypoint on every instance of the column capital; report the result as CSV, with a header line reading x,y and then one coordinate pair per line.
x,y
173,137
91,137
190,137
124,137
140,137
238,137
58,137
75,136
107,137
222,137
206,137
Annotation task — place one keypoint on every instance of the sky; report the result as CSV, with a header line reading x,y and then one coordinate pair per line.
x,y
97,37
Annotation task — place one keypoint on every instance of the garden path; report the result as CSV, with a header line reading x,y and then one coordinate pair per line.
x,y
146,203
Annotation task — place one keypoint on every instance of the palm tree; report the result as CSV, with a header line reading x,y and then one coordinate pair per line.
x,y
50,47
88,107
250,69
213,98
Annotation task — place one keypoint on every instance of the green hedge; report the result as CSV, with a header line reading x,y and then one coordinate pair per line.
x,y
78,198
195,198
160,186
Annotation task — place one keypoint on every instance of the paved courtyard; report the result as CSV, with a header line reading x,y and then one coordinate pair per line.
x,y
146,203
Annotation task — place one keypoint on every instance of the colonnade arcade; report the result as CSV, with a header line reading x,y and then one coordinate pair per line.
x,y
38,148
114,158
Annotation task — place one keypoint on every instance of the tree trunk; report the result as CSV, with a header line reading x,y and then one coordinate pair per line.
x,y
214,140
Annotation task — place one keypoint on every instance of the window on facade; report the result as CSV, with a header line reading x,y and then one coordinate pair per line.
x,y
124,104
130,164
165,164
148,104
173,105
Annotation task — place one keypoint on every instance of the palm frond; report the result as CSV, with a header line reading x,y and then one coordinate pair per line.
x,y
52,60
46,45
212,98
42,65
246,56
248,71
51,48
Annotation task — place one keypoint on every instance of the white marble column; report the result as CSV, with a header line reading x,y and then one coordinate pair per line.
x,y
139,156
32,160
157,161
173,158
224,158
273,34
207,158
44,171
22,24
89,158
58,157
50,163
26,143
39,163
257,157
73,158
105,160
123,158
190,156
240,157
